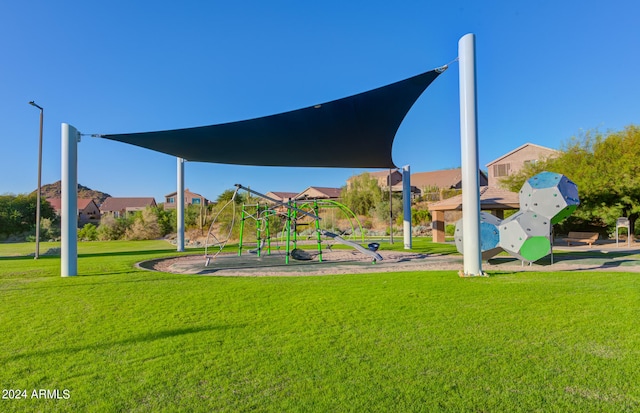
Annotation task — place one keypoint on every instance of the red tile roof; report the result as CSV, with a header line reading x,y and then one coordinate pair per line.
x,y
56,203
444,179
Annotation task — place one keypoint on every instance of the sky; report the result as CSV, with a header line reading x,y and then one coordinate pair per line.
x,y
546,71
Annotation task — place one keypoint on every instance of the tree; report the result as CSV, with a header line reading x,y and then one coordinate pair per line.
x,y
226,196
607,173
362,195
18,213
606,170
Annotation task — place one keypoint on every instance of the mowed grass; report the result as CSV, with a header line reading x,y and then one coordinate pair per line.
x,y
122,339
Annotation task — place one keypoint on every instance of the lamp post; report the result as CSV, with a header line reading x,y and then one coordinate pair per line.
x,y
37,254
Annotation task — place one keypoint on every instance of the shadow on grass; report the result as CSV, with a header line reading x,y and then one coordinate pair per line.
x,y
568,257
96,276
126,253
28,257
595,259
142,338
100,254
611,264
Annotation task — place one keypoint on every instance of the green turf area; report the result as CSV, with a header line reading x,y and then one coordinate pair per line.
x,y
121,339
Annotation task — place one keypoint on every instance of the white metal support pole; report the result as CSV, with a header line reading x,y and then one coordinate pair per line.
x,y
390,209
69,202
406,206
180,206
469,151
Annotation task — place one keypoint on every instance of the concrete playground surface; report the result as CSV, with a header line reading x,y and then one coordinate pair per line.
x,y
604,256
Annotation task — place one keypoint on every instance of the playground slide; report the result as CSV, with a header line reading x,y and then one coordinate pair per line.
x,y
373,254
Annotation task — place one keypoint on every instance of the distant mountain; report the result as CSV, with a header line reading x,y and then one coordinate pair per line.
x,y
55,191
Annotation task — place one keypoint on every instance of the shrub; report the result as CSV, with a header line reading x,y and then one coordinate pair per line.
x,y
112,228
450,229
49,229
167,219
419,230
89,232
420,216
145,226
382,209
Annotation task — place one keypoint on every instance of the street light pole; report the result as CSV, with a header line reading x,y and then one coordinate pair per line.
x,y
37,254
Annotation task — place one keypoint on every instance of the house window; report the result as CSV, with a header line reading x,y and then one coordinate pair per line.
x,y
531,162
195,201
172,200
501,169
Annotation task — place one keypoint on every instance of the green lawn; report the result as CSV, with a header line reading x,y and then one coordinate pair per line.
x,y
121,339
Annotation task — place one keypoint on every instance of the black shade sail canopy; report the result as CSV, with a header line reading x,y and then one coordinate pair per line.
x,y
352,132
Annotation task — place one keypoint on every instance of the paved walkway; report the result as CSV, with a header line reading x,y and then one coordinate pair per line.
x,y
605,255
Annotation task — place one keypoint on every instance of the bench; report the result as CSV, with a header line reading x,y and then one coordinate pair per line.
x,y
586,237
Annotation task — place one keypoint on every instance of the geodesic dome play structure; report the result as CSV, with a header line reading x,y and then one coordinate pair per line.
x,y
489,235
545,199
551,195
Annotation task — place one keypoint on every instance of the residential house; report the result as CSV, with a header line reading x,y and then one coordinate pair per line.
x,y
318,192
88,211
441,180
190,198
382,177
120,207
281,196
515,160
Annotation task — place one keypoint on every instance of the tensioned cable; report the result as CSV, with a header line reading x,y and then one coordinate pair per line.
x,y
220,244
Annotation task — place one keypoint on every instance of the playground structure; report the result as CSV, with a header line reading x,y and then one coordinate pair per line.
x,y
292,215
369,119
545,199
